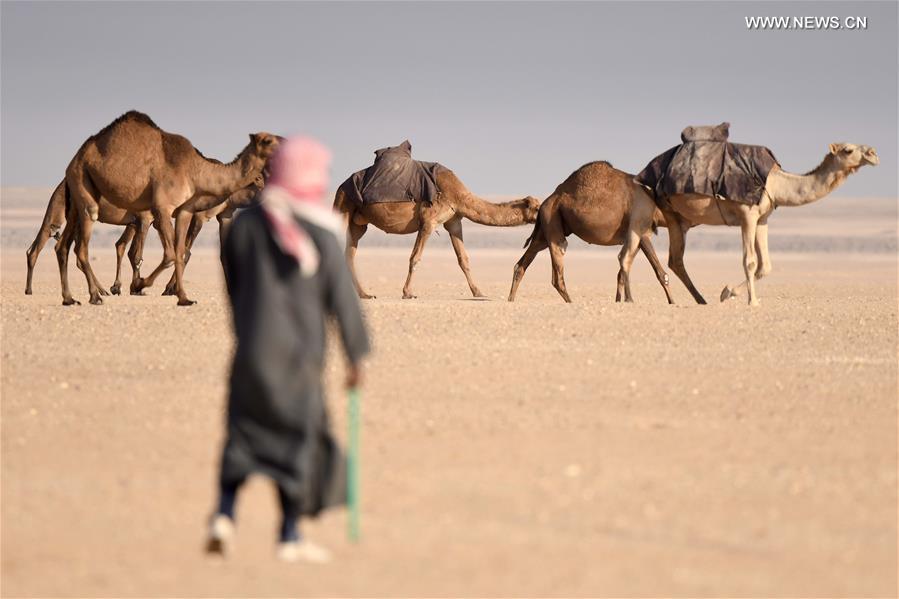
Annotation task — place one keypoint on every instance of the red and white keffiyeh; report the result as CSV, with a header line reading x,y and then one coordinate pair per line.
x,y
296,189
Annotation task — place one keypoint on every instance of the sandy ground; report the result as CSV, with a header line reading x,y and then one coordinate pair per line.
x,y
534,448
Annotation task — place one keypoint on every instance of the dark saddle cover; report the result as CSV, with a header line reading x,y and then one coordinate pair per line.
x,y
706,163
395,177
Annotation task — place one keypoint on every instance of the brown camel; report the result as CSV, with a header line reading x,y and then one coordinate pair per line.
x,y
682,212
453,204
597,202
137,166
55,219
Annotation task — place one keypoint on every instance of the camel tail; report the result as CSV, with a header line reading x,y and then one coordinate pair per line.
x,y
341,205
533,234
339,201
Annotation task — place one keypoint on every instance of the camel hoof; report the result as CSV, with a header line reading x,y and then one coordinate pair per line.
x,y
169,291
28,291
755,303
137,292
70,301
116,289
409,296
478,294
366,296
102,291
186,302
727,293
96,300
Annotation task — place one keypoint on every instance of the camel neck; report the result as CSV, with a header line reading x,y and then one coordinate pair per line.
x,y
788,189
219,179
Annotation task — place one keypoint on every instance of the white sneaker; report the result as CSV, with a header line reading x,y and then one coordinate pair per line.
x,y
303,551
221,536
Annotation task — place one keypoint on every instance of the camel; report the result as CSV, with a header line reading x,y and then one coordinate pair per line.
x,y
224,214
682,212
601,205
454,203
54,220
137,166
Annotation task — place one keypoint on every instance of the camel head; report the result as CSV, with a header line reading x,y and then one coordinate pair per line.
x,y
256,155
851,157
264,144
531,208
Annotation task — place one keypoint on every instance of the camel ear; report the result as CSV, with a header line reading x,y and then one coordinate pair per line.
x,y
835,148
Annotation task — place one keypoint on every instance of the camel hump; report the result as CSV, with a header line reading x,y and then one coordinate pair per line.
x,y
137,116
598,165
177,148
131,117
588,172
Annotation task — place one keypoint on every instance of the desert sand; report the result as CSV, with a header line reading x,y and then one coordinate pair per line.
x,y
534,448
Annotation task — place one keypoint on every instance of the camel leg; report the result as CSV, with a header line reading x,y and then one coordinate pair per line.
x,y
182,223
163,220
84,200
677,235
764,263
454,228
423,233
555,238
196,225
85,227
127,237
750,259
625,260
136,253
89,271
63,246
354,233
536,245
650,253
34,250
54,219
556,254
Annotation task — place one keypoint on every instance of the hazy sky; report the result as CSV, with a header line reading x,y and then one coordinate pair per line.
x,y
512,96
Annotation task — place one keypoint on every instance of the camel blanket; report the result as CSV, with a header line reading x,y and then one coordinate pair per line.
x,y
394,177
706,163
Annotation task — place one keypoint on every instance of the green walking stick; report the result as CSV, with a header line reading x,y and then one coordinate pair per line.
x,y
353,466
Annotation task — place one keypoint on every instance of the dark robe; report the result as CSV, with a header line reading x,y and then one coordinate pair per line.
x,y
277,419
706,163
394,177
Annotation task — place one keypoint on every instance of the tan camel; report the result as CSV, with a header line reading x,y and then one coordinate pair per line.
x,y
224,214
55,219
597,202
453,204
685,211
137,166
